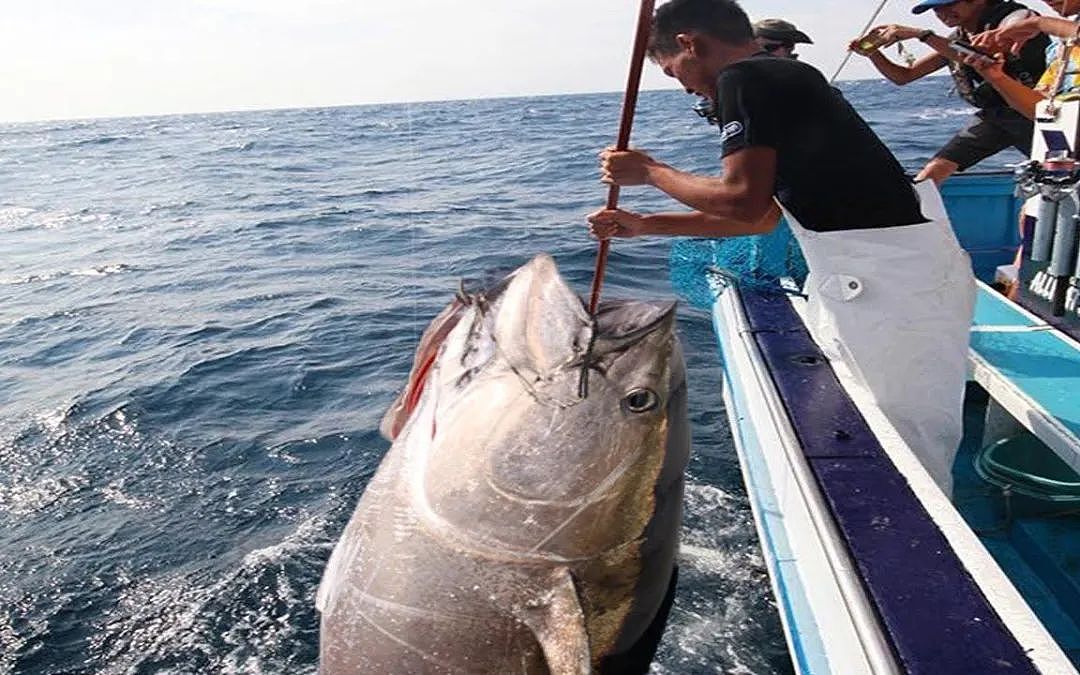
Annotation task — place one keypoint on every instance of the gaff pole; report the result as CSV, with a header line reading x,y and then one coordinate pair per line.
x,y
637,60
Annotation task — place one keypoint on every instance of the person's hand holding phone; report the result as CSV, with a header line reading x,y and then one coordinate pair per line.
x,y
989,66
970,53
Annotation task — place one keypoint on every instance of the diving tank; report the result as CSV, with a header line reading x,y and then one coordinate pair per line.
x,y
1045,224
1063,254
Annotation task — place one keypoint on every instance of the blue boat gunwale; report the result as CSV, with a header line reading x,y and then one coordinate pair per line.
x,y
787,592
904,560
772,491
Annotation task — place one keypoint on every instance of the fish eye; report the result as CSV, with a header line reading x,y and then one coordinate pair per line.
x,y
640,400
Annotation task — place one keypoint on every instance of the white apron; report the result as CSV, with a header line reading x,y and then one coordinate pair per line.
x,y
895,305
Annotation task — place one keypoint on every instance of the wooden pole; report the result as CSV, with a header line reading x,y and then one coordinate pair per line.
x,y
637,60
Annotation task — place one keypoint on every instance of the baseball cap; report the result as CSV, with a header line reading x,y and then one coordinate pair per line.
x,y
929,4
781,31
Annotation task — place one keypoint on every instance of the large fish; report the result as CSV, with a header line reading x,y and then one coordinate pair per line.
x,y
513,526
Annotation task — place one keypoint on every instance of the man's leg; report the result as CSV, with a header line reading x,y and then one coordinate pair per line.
x,y
1020,131
983,136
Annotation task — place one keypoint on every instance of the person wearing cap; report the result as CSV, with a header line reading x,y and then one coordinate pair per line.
x,y
890,291
779,37
1060,55
995,126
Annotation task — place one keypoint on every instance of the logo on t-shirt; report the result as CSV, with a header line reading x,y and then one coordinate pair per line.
x,y
730,130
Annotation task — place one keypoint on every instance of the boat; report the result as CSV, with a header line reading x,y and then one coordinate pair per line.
x,y
873,568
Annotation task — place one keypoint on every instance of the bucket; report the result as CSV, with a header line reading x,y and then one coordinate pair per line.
x,y
1026,466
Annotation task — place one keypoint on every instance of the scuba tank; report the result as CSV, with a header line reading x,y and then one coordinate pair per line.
x,y
1045,222
1055,237
1063,256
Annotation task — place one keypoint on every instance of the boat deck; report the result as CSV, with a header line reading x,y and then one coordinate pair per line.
x,y
873,568
1033,372
1037,546
1031,369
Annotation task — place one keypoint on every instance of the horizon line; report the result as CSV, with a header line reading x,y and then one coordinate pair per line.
x,y
92,118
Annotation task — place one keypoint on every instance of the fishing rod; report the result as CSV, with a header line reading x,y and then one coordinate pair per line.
x,y
637,60
870,22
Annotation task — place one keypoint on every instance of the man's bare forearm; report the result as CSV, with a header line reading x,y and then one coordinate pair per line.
x,y
1057,26
901,75
712,196
1019,96
698,224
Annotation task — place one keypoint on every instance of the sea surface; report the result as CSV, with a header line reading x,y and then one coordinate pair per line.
x,y
203,318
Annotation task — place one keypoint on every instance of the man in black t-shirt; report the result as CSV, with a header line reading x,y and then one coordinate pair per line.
x,y
798,135
890,291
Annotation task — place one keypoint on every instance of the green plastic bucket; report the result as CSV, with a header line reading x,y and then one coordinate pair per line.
x,y
1025,465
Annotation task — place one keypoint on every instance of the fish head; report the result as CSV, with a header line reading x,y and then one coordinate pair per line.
x,y
514,455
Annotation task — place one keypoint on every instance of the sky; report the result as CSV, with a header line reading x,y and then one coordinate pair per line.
x,y
63,59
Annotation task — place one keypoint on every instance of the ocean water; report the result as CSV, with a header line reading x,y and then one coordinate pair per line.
x,y
203,318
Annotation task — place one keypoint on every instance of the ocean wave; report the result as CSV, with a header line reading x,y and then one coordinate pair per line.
x,y
96,271
177,206
12,217
249,619
236,147
933,114
24,498
96,140
22,218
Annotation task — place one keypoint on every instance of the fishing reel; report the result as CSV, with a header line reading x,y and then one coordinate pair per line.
x,y
1052,178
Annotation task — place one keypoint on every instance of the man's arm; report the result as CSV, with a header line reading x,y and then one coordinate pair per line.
x,y
737,203
1020,97
1011,37
898,74
606,223
893,33
741,195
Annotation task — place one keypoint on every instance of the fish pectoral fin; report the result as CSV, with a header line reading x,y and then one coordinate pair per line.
x,y
558,623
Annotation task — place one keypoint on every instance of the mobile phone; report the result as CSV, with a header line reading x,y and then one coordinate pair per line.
x,y
966,49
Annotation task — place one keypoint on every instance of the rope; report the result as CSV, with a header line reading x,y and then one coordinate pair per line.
x,y
870,22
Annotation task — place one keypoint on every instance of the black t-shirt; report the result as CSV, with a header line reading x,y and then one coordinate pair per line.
x,y
832,171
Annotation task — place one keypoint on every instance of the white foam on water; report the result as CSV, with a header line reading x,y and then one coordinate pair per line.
x,y
19,218
25,497
13,217
95,271
10,642
714,624
942,113
237,621
114,493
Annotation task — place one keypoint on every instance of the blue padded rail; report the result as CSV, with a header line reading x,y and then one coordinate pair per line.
x,y
935,616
